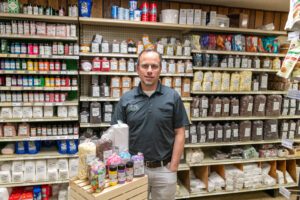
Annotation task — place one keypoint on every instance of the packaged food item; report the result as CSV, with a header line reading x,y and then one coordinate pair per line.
x,y
212,42
226,133
273,106
276,64
210,130
218,133
245,81
23,129
245,131
9,130
246,106
259,105
271,129
225,85
167,81
263,81
257,130
225,106
234,107
235,82
220,42
95,112
215,107
251,43
217,77
198,76
186,87
234,132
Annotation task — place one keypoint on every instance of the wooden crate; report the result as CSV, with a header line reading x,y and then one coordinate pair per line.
x,y
134,190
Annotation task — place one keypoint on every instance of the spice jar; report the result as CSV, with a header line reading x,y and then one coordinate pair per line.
x,y
121,174
113,175
129,171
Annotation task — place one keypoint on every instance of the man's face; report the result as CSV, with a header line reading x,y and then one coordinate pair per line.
x,y
149,69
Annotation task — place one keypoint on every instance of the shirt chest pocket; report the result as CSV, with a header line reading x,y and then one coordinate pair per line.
x,y
165,113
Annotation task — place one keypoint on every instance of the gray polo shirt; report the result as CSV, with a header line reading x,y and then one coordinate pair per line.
x,y
151,120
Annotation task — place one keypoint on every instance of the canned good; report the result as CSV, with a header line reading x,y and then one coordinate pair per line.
x,y
132,4
131,15
41,10
114,12
126,14
145,11
121,13
137,15
153,12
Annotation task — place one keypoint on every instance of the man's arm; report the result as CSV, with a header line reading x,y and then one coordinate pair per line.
x,y
177,148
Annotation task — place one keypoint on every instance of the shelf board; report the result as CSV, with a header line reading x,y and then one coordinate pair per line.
x,y
240,92
104,99
70,72
44,154
61,57
130,74
38,37
66,103
52,119
120,55
101,99
183,191
203,194
210,161
35,88
89,125
239,53
44,18
218,144
7,185
178,27
183,167
243,118
38,138
235,69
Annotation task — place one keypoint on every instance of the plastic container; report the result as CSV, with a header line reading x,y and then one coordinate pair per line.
x,y
170,16
85,8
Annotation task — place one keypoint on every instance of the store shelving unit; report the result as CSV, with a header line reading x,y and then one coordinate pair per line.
x,y
244,118
235,69
240,53
33,183
45,153
238,92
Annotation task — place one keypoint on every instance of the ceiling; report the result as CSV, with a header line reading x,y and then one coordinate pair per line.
x,y
273,5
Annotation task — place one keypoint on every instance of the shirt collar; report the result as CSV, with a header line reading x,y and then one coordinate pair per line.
x,y
139,90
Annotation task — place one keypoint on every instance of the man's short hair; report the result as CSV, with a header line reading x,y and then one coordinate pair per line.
x,y
147,51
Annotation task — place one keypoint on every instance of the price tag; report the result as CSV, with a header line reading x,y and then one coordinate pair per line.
x,y
33,72
63,137
285,192
64,72
65,88
16,104
22,55
74,88
45,56
25,120
48,104
287,143
38,104
34,138
75,137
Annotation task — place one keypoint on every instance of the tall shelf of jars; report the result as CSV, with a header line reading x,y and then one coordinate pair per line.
x,y
38,98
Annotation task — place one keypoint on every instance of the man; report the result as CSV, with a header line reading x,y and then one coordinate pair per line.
x,y
156,118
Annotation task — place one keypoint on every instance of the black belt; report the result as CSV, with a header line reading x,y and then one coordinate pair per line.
x,y
155,164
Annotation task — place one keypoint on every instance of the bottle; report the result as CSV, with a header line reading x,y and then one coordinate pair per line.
x,y
121,174
129,171
113,175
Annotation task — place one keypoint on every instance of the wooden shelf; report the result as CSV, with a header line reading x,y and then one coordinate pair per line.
x,y
120,55
60,57
38,37
66,103
52,119
243,118
130,74
44,154
38,138
89,125
183,167
210,161
36,88
240,92
69,72
235,69
104,99
178,27
7,185
44,18
240,53
218,144
204,194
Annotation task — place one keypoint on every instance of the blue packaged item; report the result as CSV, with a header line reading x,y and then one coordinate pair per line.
x,y
32,147
20,147
132,4
197,60
121,13
238,43
72,146
131,15
114,12
126,14
37,193
62,146
85,7
205,59
204,41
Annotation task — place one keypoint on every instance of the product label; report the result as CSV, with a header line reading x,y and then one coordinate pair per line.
x,y
247,132
220,134
235,132
107,117
228,133
211,135
172,68
292,126
114,65
261,107
273,128
276,106
95,112
138,168
250,107
235,109
204,103
193,138
259,131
